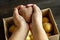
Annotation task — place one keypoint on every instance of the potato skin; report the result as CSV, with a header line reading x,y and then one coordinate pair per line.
x,y
45,20
12,28
47,27
26,13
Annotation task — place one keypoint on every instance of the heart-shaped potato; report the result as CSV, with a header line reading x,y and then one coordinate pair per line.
x,y
26,12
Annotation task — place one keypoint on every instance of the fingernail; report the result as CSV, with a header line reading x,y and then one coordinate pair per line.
x,y
34,4
21,5
29,4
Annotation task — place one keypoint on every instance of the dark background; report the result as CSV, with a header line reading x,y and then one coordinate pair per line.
x,y
6,10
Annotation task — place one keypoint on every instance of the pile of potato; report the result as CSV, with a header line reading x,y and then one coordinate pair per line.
x,y
46,25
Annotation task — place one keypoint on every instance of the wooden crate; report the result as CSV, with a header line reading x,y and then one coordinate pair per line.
x,y
45,12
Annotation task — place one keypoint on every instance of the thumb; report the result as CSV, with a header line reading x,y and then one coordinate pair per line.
x,y
36,8
15,12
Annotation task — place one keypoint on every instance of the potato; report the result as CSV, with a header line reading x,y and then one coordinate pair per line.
x,y
47,27
12,28
28,38
45,19
26,13
48,34
31,37
29,33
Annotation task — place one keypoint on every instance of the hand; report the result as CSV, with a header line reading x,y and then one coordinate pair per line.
x,y
18,19
36,22
22,27
36,16
36,25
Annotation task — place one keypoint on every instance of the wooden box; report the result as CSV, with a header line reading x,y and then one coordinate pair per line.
x,y
45,12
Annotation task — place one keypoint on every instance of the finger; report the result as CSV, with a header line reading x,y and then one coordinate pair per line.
x,y
23,21
19,21
18,7
22,6
21,18
36,8
30,5
16,12
37,15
